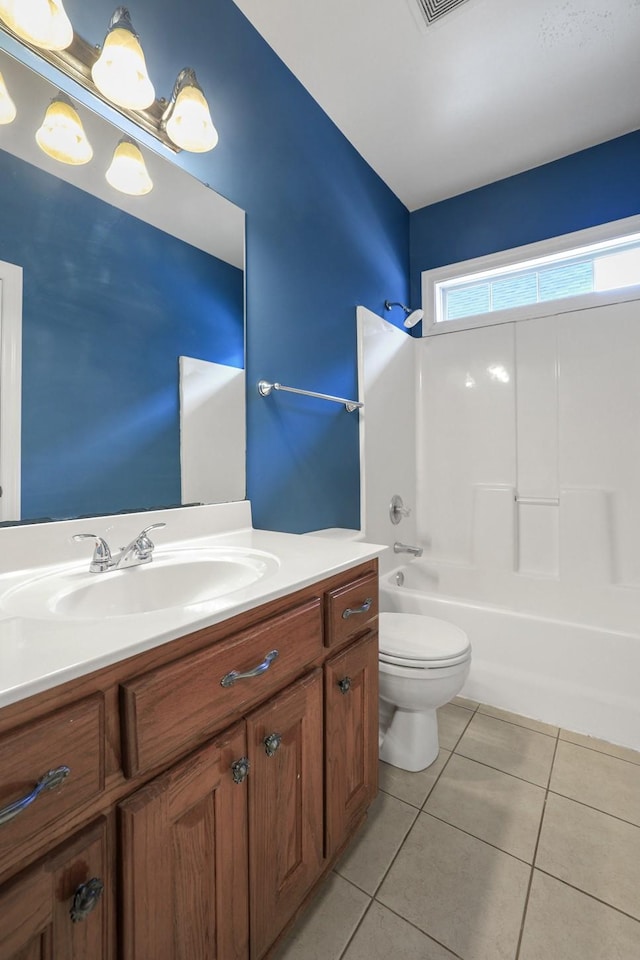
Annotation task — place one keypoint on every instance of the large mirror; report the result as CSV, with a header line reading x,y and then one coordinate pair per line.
x,y
131,330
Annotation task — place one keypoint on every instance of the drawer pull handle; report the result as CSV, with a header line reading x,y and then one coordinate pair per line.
x,y
271,743
363,608
50,780
240,769
345,684
230,678
85,899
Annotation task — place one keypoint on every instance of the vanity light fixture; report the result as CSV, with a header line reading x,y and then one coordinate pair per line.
x,y
7,106
187,119
412,316
120,72
62,135
44,23
116,73
128,172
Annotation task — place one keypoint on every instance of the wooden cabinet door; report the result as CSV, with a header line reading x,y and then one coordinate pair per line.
x,y
285,806
184,855
61,909
351,738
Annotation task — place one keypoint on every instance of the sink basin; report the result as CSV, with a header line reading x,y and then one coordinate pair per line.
x,y
173,579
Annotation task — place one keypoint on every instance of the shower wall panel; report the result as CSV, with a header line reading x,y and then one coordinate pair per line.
x,y
387,384
529,448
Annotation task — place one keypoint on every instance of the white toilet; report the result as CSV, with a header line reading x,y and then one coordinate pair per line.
x,y
424,663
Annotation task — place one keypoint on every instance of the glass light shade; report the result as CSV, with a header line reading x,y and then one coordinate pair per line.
x,y
128,172
44,23
190,125
120,72
62,135
7,106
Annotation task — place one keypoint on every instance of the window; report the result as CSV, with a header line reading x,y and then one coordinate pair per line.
x,y
567,273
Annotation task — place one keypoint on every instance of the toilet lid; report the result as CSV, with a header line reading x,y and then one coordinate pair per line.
x,y
411,639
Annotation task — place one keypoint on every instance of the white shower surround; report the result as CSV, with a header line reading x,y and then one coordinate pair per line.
x,y
548,591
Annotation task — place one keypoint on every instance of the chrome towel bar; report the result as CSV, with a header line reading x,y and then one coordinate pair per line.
x,y
265,388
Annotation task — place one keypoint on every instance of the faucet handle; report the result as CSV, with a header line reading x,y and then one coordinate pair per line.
x,y
153,526
101,552
144,544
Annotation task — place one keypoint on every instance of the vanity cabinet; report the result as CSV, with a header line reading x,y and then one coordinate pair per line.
x,y
222,780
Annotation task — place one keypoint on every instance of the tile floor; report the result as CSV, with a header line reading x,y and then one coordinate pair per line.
x,y
521,842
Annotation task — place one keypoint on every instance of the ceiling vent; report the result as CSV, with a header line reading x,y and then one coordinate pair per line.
x,y
435,9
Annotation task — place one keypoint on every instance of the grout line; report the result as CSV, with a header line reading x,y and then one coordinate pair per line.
x,y
606,813
419,929
353,883
602,753
586,893
358,924
535,854
462,732
487,843
402,800
506,772
521,726
463,706
437,779
395,856
429,791
393,859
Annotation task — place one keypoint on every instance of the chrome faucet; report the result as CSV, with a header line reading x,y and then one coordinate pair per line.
x,y
405,548
140,550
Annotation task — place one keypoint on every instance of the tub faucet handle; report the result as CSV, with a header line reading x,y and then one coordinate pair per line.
x,y
397,509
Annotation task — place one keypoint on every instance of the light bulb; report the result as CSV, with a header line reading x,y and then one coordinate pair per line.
x,y
120,72
188,122
62,135
7,106
128,172
44,23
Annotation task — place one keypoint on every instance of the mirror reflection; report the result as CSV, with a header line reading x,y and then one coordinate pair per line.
x,y
115,289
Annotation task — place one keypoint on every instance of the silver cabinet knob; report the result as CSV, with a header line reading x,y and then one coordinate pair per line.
x,y
271,743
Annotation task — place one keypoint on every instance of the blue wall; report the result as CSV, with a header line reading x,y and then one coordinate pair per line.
x,y
582,190
109,304
324,234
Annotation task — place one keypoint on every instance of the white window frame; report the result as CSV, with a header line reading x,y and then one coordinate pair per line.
x,y
507,258
10,388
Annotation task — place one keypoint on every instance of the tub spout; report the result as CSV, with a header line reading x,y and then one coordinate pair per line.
x,y
406,548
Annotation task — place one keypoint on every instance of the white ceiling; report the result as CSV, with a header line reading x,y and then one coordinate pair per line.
x,y
493,88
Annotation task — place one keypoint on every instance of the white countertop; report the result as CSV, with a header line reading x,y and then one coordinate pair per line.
x,y
38,654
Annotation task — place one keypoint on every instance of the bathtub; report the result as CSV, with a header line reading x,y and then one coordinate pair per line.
x,y
581,677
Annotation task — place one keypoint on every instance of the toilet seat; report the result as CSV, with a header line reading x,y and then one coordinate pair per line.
x,y
414,640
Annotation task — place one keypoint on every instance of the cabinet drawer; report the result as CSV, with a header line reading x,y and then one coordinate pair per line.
x,y
173,708
71,738
351,609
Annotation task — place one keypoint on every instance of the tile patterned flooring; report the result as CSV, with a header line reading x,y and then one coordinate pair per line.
x,y
521,842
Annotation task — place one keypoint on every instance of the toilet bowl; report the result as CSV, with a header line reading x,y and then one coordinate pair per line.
x,y
423,663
